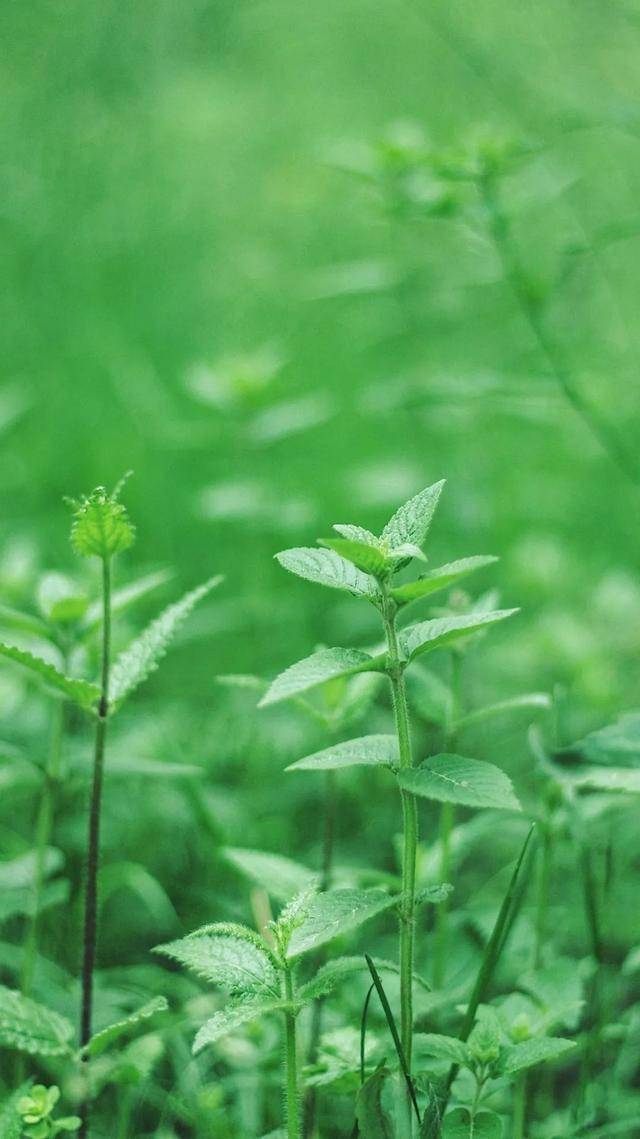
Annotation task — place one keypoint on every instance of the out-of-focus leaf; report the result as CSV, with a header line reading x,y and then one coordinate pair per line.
x,y
318,668
102,1040
81,692
280,876
31,1027
528,1053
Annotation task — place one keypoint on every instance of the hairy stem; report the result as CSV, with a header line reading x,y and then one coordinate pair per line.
x,y
292,1093
93,838
44,826
395,670
530,306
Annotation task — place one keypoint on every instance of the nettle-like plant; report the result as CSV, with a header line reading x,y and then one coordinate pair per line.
x,y
101,529
366,565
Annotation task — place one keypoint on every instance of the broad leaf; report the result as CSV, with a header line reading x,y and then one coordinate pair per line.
x,y
102,1040
280,876
81,692
326,567
31,1027
608,779
334,913
143,655
617,744
456,779
364,556
229,955
442,1047
232,1017
356,533
316,669
531,1052
334,972
440,578
458,1124
429,635
101,526
369,751
411,522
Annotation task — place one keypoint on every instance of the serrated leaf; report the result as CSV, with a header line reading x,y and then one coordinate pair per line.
x,y
458,1124
442,1047
426,636
538,1050
411,522
456,779
31,1027
440,578
326,567
368,558
356,533
334,913
101,526
331,974
81,692
234,1016
102,1040
368,751
280,876
143,655
318,668
229,955
122,598
373,1120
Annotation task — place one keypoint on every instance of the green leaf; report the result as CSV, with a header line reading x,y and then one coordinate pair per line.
x,y
334,972
440,578
234,1016
10,1117
101,525
373,1120
442,1047
122,598
334,913
513,704
364,556
81,692
617,744
31,1027
143,655
458,1124
456,779
428,635
229,955
326,567
538,1050
356,533
318,668
369,751
608,779
411,522
280,876
100,1041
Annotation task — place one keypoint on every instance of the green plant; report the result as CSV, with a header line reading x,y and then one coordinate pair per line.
x,y
36,1111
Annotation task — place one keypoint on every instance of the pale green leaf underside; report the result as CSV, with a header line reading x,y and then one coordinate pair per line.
x,y
31,1027
368,751
326,567
456,779
535,1051
81,692
143,655
227,955
411,522
426,636
316,669
356,533
280,876
334,913
440,578
102,1040
232,1017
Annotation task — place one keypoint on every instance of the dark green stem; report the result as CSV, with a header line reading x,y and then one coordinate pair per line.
x,y
531,308
93,838
292,1093
395,671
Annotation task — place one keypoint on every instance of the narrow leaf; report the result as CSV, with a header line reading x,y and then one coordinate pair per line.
x,y
429,635
326,567
280,876
334,913
404,1067
608,779
411,522
369,751
100,1041
513,704
81,692
143,655
122,598
440,578
316,669
31,1027
456,779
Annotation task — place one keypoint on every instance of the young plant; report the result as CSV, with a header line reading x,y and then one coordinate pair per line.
x,y
366,566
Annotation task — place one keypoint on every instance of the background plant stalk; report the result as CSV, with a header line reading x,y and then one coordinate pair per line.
x,y
395,672
93,839
291,1062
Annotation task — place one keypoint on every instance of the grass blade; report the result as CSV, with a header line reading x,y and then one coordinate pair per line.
x,y
394,1033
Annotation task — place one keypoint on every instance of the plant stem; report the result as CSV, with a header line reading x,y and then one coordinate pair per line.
x,y
531,308
395,672
93,838
542,902
447,819
292,1095
44,827
519,1106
